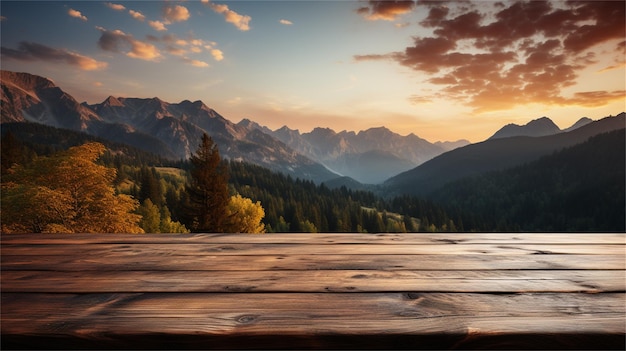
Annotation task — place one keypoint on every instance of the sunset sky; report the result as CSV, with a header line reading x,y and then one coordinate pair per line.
x,y
441,70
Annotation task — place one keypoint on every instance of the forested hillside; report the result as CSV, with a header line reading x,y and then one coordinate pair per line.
x,y
288,205
580,188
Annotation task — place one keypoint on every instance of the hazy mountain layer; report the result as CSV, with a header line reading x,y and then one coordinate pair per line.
x,y
370,156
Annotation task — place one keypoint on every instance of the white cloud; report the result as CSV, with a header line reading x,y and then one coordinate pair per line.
x,y
285,22
76,14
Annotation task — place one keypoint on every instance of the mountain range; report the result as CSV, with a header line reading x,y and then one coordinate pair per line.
x,y
401,164
173,130
167,129
370,156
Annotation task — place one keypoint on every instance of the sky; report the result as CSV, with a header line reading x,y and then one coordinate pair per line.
x,y
443,70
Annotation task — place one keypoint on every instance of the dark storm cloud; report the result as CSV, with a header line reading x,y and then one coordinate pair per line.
x,y
512,53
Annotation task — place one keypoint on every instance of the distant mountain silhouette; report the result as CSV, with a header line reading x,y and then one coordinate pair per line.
x,y
580,123
490,155
451,145
537,127
370,156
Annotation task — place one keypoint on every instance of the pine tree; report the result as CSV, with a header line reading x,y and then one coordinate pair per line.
x,y
150,217
208,191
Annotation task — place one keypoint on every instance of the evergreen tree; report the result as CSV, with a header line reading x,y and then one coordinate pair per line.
x,y
150,217
208,191
150,186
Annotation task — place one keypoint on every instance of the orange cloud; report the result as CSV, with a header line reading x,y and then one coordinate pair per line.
x,y
120,42
175,13
597,98
179,46
612,67
157,25
28,51
387,10
137,15
196,63
242,22
217,54
76,14
505,55
116,7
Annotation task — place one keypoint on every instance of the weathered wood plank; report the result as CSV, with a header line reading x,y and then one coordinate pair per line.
x,y
309,249
321,238
79,262
313,291
107,318
314,281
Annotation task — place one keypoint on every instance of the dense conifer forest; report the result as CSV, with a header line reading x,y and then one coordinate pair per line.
x,y
577,189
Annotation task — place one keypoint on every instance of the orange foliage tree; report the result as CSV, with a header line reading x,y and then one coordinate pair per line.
x,y
67,192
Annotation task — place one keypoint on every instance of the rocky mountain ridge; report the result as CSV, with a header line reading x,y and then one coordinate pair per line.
x,y
170,130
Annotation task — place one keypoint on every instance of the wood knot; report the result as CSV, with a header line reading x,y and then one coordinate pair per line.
x,y
411,296
246,319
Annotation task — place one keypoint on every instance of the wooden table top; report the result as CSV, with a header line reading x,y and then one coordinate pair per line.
x,y
359,291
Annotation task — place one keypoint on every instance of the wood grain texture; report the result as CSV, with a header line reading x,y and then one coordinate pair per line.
x,y
270,261
248,249
364,291
314,281
321,238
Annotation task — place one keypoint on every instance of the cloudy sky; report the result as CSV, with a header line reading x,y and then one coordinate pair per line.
x,y
442,70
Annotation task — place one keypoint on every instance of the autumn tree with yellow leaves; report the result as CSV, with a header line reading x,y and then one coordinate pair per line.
x,y
244,216
67,192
